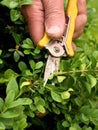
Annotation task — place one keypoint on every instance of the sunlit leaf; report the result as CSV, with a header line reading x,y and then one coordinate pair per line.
x,y
11,4
19,101
27,44
9,114
12,85
60,78
41,109
65,95
26,83
10,96
92,80
14,14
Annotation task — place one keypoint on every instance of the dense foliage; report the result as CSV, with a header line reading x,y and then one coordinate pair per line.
x,y
69,101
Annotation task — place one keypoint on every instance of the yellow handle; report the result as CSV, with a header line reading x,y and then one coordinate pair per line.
x,y
72,13
44,41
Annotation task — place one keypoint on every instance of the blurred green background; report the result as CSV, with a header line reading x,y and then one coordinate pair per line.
x,y
93,4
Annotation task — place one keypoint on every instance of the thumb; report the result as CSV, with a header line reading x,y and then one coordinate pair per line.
x,y
54,17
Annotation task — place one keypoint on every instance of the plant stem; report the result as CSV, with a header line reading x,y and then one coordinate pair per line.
x,y
74,71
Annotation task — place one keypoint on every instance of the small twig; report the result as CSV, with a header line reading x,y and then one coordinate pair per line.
x,y
74,71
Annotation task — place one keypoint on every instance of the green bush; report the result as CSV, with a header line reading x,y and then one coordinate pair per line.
x,y
69,101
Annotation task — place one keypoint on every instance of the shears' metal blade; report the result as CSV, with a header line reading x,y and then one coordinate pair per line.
x,y
52,66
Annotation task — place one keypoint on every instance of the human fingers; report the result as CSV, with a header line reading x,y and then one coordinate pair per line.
x,y
54,17
34,15
81,18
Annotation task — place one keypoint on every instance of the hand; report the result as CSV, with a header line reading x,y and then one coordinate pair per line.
x,y
49,16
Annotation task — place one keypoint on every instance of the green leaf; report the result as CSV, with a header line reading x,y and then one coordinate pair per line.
x,y
85,109
70,90
27,44
26,2
17,37
12,85
75,126
10,3
65,95
32,64
3,80
40,108
78,101
26,83
72,128
1,61
91,114
39,101
37,50
56,110
94,116
29,73
9,114
88,87
27,52
64,65
56,97
16,56
11,50
65,124
32,107
20,53
83,66
10,96
22,66
20,123
60,78
95,54
1,104
14,14
2,126
92,80
84,119
19,102
8,74
31,114
7,122
89,128
39,65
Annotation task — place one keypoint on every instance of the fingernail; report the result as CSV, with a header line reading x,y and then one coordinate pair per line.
x,y
53,31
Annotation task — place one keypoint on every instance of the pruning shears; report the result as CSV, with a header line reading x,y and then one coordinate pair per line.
x,y
62,46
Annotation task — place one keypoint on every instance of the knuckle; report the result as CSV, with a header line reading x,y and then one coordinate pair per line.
x,y
83,20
